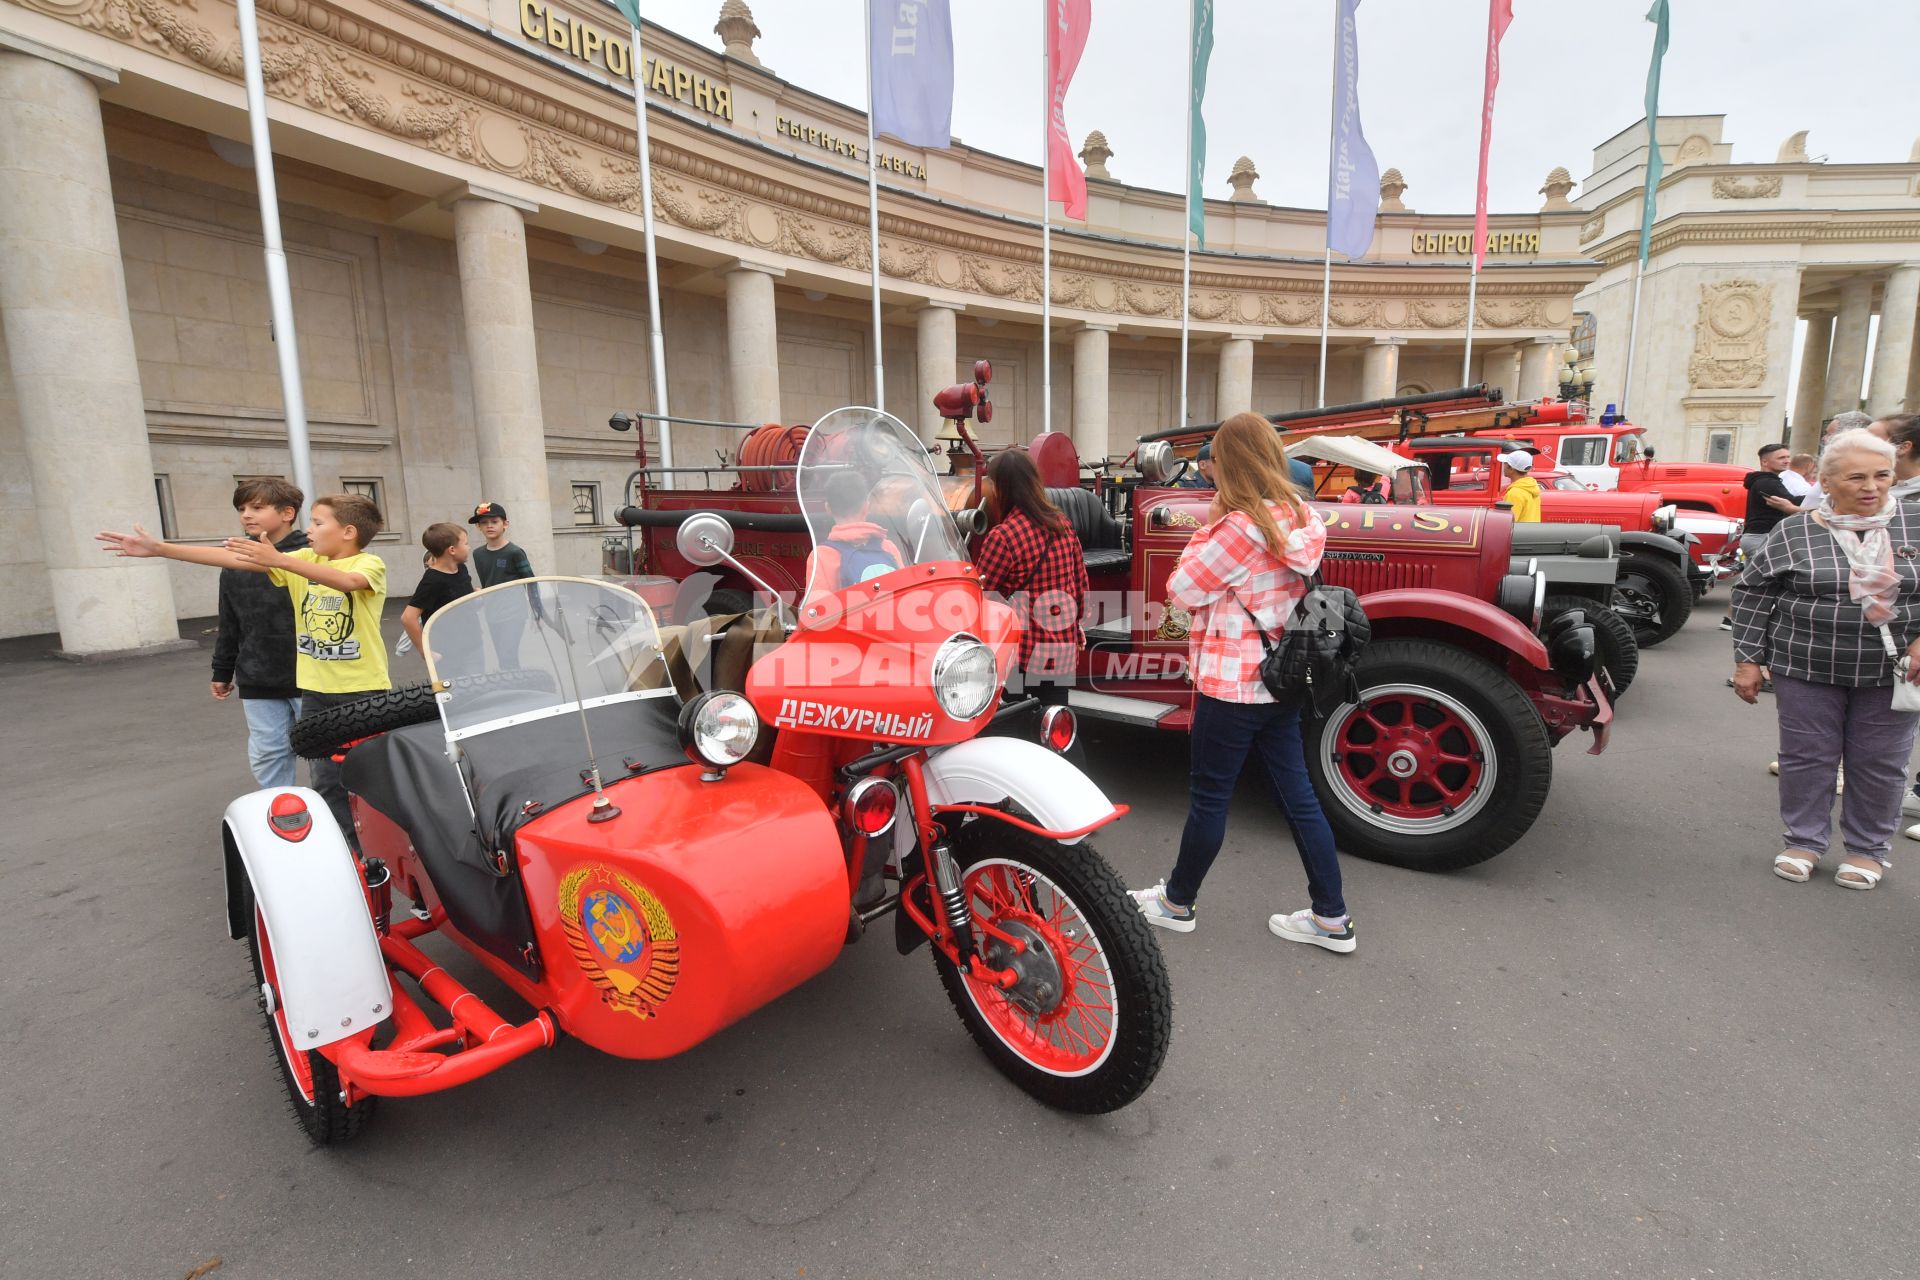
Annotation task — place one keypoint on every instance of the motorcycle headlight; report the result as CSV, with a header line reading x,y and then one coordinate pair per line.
x,y
718,729
964,677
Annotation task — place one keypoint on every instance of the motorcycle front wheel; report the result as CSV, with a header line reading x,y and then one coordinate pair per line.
x,y
1086,1027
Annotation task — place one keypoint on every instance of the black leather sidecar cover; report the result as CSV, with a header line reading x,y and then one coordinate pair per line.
x,y
407,777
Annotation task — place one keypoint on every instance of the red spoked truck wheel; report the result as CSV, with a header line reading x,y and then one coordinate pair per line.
x,y
1441,764
1086,1027
313,1083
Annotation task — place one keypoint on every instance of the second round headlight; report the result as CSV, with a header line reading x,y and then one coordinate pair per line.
x,y
964,677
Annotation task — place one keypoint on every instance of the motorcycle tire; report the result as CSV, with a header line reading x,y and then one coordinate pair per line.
x,y
1478,759
1074,1052
1667,587
312,1082
324,732
1616,652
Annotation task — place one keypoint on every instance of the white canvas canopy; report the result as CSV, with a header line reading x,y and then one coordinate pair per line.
x,y
1350,451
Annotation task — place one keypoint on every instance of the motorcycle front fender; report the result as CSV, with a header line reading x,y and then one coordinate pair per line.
x,y
990,771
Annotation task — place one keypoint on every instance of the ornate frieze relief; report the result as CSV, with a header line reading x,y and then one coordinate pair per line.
x,y
1730,336
1757,187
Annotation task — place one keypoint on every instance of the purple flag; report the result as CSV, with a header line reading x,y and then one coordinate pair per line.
x,y
1353,176
910,64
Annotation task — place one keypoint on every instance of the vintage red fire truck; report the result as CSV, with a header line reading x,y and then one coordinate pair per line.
x,y
1447,758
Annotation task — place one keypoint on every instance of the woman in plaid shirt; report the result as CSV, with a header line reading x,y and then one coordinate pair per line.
x,y
1032,556
1828,606
1242,576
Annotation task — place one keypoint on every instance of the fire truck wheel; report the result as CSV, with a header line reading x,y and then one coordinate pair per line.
x,y
1085,1028
313,1084
1441,764
1654,596
1617,652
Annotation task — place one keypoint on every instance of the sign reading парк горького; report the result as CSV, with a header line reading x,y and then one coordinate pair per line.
x,y
544,24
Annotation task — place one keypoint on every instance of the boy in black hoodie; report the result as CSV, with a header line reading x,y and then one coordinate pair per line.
x,y
254,652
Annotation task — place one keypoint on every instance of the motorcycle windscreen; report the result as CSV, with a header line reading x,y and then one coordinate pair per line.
x,y
525,651
872,501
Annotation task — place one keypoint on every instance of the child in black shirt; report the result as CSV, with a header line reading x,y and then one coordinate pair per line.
x,y
444,581
499,560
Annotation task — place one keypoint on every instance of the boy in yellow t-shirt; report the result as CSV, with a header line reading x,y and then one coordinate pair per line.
x,y
337,589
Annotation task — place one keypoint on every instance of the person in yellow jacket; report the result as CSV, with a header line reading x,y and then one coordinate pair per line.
x,y
1523,491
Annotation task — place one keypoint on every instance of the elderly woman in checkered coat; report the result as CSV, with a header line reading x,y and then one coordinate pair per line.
x,y
1830,607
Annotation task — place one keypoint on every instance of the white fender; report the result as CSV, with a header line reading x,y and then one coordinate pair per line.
x,y
990,770
332,980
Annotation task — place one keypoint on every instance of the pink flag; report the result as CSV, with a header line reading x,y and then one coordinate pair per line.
x,y
1499,14
1068,21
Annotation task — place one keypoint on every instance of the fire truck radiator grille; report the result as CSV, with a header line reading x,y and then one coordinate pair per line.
x,y
1363,578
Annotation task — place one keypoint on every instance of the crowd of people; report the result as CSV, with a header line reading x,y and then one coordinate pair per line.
x,y
300,610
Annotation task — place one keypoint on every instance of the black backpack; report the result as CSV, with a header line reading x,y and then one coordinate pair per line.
x,y
1312,666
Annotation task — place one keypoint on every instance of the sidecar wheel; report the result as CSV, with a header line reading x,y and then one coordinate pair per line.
x,y
1101,1006
313,1083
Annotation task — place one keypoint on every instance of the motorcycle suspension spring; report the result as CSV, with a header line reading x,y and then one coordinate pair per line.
x,y
953,894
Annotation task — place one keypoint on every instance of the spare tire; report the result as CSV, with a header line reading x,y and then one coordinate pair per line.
x,y
1615,649
325,731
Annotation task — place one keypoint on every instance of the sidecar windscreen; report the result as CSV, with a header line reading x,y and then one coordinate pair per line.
x,y
540,648
873,504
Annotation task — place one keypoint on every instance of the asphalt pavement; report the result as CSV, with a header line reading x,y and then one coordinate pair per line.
x,y
1621,1048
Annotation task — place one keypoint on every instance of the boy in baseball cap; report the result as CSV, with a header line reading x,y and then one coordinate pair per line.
x,y
498,560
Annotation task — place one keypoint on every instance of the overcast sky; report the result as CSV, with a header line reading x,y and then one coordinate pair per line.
x,y
1573,75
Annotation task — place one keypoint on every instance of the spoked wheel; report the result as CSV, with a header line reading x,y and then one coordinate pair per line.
x,y
1653,596
313,1084
1441,764
1086,1026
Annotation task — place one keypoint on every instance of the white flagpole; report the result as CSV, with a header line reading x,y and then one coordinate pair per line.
x,y
279,291
873,231
1046,219
656,338
1473,290
1326,299
1186,232
1326,275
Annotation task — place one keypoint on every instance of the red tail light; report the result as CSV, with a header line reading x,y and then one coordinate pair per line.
x,y
1058,728
288,817
871,806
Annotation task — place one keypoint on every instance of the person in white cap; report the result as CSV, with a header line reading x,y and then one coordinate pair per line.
x,y
1523,491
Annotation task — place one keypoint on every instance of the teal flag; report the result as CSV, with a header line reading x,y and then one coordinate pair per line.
x,y
1202,28
1658,16
631,8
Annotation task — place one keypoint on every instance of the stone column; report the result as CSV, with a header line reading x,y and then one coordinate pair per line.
x,y
753,342
1090,423
1500,369
1233,382
496,300
1811,393
1893,349
63,300
1849,361
938,359
1536,370
1380,368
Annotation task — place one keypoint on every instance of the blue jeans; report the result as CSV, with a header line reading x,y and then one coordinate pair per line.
x,y
1224,734
269,727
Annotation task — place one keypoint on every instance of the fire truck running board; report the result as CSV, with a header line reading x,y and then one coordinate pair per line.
x,y
1105,706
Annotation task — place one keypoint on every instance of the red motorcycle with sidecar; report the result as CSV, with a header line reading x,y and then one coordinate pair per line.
x,y
643,861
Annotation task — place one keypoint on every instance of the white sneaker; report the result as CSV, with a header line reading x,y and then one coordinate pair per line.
x,y
1912,832
1161,913
1910,805
1303,926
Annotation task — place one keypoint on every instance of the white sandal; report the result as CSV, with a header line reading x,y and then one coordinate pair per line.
x,y
1796,867
1868,876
